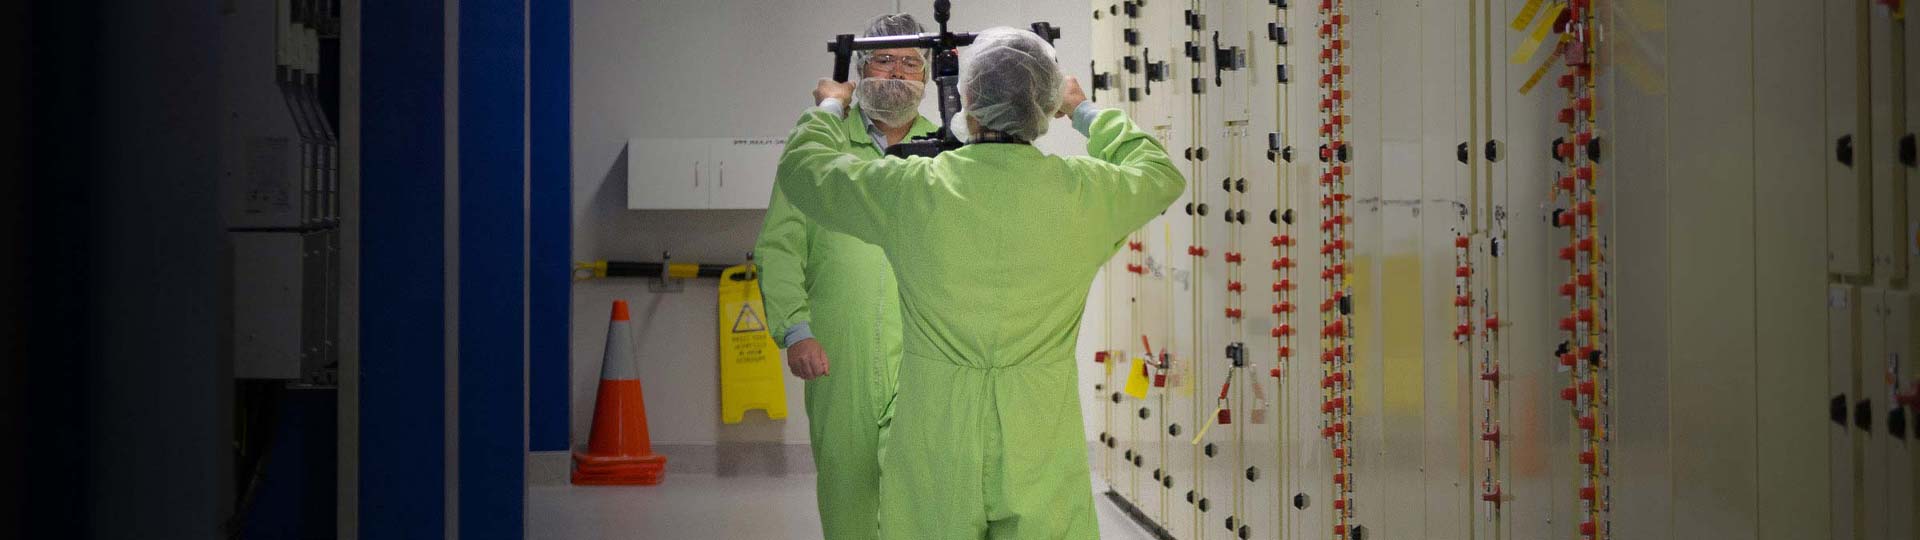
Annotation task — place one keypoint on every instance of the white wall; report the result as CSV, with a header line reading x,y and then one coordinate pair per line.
x,y
709,68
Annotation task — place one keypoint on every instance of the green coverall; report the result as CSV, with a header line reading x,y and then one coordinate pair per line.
x,y
995,247
842,289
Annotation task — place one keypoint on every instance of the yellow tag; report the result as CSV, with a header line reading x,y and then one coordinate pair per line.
x,y
1545,26
750,371
1544,64
1137,380
1525,15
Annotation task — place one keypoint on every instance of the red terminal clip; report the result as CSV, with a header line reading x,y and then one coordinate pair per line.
x,y
1566,116
1339,427
1492,496
1233,257
1566,253
1588,528
1226,416
1586,388
1585,280
1283,285
1463,271
1135,246
1339,453
1283,307
1337,328
1567,360
1339,377
1566,219
1566,81
1586,315
1339,530
1491,376
1493,323
1100,357
1285,352
1233,313
1586,422
1586,244
1587,493
1585,172
1326,356
1567,289
1586,457
1282,240
1463,330
1462,301
1566,183
1585,104
1137,269
1159,380
1566,323
1275,372
1491,436
1235,286
1583,138
1568,394
1283,330
1461,242
1283,262
1326,433
1197,251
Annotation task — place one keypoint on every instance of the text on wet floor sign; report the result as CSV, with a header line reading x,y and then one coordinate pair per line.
x,y
750,367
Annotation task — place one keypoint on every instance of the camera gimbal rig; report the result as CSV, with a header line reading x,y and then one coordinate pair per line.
x,y
945,68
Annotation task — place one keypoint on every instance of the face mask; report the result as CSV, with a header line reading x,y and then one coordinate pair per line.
x,y
893,102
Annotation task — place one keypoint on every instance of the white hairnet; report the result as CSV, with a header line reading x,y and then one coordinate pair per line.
x,y
1011,82
891,24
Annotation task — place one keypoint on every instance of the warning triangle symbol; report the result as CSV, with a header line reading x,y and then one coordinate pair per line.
x,y
748,321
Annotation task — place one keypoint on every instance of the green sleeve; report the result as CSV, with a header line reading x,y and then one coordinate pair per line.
x,y
1134,168
781,254
837,189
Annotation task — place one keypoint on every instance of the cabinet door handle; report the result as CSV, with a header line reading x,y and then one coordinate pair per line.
x,y
696,174
723,175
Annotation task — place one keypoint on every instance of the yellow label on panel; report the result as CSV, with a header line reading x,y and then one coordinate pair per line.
x,y
1525,15
1544,64
1137,380
1540,30
750,371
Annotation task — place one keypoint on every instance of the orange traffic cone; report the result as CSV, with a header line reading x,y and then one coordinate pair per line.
x,y
619,452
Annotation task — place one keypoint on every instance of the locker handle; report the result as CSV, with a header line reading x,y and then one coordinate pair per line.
x,y
1907,150
696,174
1843,150
1461,153
1897,423
722,181
1837,410
1863,415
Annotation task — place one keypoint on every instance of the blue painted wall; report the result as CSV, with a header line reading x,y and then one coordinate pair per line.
x,y
493,268
402,271
550,130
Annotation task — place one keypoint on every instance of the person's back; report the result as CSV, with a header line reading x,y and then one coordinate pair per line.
x,y
994,246
1007,219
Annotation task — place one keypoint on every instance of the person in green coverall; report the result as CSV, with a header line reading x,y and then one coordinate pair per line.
x,y
831,300
994,246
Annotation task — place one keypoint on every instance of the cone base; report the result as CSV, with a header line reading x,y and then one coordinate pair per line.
x,y
590,470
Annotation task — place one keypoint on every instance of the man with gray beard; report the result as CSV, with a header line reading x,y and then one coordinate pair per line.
x,y
832,298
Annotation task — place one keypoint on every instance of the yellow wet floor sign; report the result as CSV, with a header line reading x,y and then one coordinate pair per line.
x,y
750,376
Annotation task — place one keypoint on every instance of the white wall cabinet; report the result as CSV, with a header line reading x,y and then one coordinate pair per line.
x,y
723,173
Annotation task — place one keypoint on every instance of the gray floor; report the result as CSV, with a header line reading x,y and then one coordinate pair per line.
x,y
696,506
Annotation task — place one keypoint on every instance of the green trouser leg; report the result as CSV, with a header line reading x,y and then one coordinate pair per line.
x,y
986,453
846,437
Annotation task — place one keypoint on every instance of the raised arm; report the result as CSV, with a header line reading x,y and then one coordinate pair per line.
x,y
837,189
